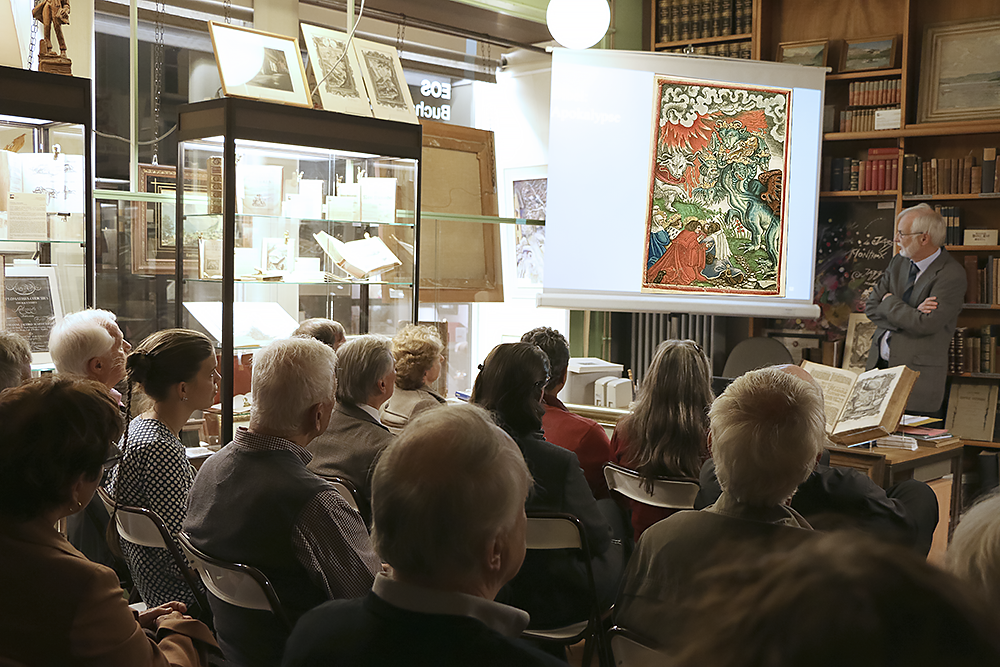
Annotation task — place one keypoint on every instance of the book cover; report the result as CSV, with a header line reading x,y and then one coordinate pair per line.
x,y
989,169
972,409
909,174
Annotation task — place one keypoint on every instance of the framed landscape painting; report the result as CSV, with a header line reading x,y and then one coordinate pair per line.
x,y
960,72
811,53
859,55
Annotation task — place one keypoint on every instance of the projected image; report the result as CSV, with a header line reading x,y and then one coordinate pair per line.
x,y
716,218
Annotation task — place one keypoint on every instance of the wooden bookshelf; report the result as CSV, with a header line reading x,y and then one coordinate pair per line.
x,y
857,194
868,74
724,39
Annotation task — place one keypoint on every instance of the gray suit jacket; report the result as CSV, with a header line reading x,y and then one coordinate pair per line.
x,y
348,449
918,341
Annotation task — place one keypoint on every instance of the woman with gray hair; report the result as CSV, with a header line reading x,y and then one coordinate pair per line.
x,y
974,553
15,359
417,350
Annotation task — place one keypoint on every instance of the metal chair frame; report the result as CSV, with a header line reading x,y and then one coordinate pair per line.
x,y
631,650
238,584
146,528
668,492
345,488
553,530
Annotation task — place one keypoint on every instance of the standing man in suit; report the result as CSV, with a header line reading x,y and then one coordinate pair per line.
x,y
915,306
355,437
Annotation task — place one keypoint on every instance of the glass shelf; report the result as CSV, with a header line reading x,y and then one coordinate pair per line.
x,y
76,241
332,283
283,218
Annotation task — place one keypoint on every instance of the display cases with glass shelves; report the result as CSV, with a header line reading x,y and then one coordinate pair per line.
x,y
46,242
290,214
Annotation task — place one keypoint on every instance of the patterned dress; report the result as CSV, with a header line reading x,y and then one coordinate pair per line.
x,y
154,473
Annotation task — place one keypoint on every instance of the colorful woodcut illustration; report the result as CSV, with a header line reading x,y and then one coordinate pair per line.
x,y
716,219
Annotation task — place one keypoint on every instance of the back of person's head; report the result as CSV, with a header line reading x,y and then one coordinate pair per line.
x,y
768,427
510,384
55,430
290,376
328,332
80,337
442,491
15,359
363,362
415,349
667,428
836,599
166,358
974,552
556,348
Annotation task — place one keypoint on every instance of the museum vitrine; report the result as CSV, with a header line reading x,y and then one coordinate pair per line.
x,y
285,214
46,238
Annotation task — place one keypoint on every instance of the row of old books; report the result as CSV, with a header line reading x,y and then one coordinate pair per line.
x,y
871,93
955,229
725,50
974,351
877,172
983,283
678,20
862,120
951,176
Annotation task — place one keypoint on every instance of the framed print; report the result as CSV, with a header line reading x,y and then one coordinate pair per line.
x,y
259,65
343,88
859,340
811,53
525,192
153,233
869,53
383,75
960,72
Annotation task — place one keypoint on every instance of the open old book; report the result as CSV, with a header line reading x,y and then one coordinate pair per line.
x,y
862,407
359,258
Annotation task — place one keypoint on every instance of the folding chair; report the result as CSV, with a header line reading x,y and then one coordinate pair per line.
x,y
144,527
345,488
550,530
239,585
672,492
631,650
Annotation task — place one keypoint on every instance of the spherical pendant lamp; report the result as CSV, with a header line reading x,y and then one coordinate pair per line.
x,y
578,24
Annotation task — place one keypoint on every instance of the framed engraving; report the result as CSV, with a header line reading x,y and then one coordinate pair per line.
x,y
383,75
341,84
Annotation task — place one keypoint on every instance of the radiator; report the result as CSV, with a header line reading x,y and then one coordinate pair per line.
x,y
650,329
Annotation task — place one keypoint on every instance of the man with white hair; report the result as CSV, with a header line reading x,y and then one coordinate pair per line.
x,y
766,432
15,359
915,306
89,343
255,502
356,436
448,499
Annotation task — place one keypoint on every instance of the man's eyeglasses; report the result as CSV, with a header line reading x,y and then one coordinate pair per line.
x,y
900,235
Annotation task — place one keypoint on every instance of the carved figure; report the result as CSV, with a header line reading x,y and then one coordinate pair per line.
x,y
53,15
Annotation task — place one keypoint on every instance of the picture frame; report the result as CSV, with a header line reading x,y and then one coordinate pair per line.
x,y
32,305
343,90
524,244
384,81
153,231
858,342
959,70
811,53
259,65
869,53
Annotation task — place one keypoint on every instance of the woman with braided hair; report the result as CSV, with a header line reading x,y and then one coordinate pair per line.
x,y
176,369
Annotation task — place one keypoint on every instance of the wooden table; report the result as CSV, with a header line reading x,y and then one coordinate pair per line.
x,y
888,466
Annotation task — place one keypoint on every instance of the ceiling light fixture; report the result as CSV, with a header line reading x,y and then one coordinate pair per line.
x,y
578,24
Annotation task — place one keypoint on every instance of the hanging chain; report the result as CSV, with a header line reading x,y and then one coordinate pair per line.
x,y
34,38
489,58
228,5
157,79
401,32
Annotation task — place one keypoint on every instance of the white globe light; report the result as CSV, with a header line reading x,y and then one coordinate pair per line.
x,y
247,65
578,24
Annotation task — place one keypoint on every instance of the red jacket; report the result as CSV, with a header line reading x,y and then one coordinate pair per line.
x,y
584,437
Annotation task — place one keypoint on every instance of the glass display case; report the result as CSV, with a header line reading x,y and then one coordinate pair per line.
x,y
285,214
46,203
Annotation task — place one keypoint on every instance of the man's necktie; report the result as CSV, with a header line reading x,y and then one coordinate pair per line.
x,y
910,280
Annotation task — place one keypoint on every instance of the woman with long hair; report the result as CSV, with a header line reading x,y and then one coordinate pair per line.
x,y
176,369
417,351
666,432
60,608
551,585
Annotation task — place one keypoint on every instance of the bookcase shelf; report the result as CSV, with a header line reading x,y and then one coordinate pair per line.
x,y
858,194
981,443
984,376
981,306
972,248
722,39
861,76
966,197
950,129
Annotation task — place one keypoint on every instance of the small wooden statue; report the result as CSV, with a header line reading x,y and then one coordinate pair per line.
x,y
53,15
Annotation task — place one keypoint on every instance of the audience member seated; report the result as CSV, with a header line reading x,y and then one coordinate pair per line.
x,y
175,368
974,552
60,608
843,498
767,429
328,332
355,436
89,344
552,585
665,434
839,599
255,502
448,503
15,360
584,437
417,350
